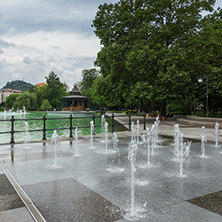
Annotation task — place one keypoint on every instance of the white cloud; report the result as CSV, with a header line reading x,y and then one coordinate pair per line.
x,y
34,55
73,43
40,36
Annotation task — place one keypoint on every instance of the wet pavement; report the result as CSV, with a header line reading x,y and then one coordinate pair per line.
x,y
95,186
9,198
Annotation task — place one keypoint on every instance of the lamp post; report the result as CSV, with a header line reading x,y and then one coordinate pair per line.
x,y
200,80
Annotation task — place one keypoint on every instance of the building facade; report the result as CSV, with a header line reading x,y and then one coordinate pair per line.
x,y
4,93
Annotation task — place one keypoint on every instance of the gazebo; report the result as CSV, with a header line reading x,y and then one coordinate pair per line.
x,y
74,101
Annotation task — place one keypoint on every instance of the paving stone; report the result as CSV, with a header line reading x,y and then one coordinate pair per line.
x,y
68,200
16,215
9,199
211,202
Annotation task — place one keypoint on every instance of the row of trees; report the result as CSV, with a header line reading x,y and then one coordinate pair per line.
x,y
40,98
153,53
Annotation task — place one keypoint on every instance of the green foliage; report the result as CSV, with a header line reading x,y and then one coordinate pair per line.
x,y
104,93
151,51
88,76
10,100
54,90
130,111
45,105
29,100
40,93
178,108
36,97
18,85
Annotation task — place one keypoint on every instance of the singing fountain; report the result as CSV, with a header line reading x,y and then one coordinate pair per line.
x,y
133,131
138,131
217,126
132,151
178,140
203,141
92,130
26,136
117,193
146,141
115,168
55,141
106,135
103,121
77,132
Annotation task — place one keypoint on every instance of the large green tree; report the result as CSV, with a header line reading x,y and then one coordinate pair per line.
x,y
10,100
203,58
144,48
27,100
88,77
55,90
40,93
210,55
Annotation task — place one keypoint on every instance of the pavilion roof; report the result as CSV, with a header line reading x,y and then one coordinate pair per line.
x,y
75,97
75,90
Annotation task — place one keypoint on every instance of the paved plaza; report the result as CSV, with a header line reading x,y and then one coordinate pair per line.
x,y
94,185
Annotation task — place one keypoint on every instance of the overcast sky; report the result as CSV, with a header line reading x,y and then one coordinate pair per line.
x,y
40,36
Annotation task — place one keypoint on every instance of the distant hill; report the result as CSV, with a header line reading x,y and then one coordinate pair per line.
x,y
17,84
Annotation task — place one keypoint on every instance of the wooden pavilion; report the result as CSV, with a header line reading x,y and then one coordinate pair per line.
x,y
74,101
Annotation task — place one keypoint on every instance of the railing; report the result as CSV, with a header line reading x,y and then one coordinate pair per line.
x,y
70,128
129,120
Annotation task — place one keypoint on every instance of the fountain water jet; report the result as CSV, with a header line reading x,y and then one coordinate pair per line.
x,y
156,128
115,142
26,136
5,112
106,135
76,142
24,110
103,121
138,132
54,140
112,168
203,141
135,212
184,152
181,148
91,134
132,151
153,142
133,131
217,126
146,141
178,140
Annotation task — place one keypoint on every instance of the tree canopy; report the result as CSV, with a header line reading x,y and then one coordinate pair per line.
x,y
55,90
154,51
43,98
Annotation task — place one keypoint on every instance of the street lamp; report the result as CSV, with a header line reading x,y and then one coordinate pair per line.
x,y
200,80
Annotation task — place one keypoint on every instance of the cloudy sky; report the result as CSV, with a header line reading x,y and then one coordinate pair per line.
x,y
40,36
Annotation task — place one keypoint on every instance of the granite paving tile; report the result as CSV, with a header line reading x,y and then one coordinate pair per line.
x,y
211,202
16,215
9,199
69,200
182,212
